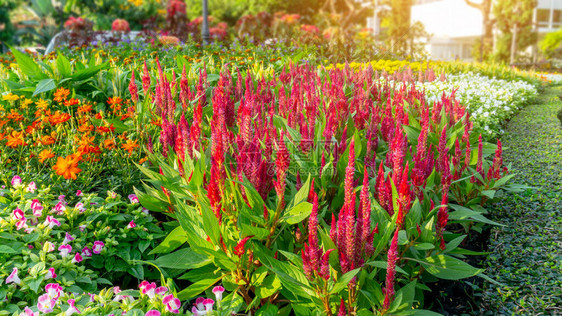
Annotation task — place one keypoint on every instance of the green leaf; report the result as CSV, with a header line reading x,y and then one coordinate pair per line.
x,y
269,286
175,239
87,73
196,288
44,86
27,65
384,265
63,65
184,258
6,249
298,213
449,268
344,281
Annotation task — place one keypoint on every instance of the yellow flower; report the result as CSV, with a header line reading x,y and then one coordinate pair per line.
x,y
10,97
42,104
26,103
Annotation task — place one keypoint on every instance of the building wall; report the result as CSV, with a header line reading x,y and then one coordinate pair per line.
x,y
448,18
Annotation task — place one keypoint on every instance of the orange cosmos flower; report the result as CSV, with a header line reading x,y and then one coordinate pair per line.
x,y
42,104
68,166
58,118
61,94
15,116
45,154
109,143
71,102
130,146
47,140
15,139
85,109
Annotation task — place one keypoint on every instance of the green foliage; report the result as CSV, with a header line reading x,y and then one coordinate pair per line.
x,y
525,253
550,43
509,13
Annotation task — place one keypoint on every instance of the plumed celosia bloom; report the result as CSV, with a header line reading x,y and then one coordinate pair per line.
x,y
172,303
16,181
71,308
240,248
45,303
391,272
98,246
65,250
145,80
133,88
341,310
13,277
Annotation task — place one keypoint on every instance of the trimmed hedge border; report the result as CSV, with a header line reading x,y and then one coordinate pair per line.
x,y
526,255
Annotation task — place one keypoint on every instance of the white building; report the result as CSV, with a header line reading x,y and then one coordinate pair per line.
x,y
456,26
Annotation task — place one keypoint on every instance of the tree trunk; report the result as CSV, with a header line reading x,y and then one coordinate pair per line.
x,y
513,44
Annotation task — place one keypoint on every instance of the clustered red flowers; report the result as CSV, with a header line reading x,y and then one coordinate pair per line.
x,y
120,25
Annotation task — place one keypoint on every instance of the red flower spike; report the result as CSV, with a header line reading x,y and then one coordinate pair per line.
x,y
145,80
239,250
133,88
342,311
325,265
333,230
391,272
349,172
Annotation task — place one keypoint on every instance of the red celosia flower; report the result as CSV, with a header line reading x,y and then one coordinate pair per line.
x,y
133,88
390,272
239,250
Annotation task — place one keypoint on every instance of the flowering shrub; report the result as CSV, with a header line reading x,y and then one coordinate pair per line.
x,y
490,101
330,190
120,25
67,241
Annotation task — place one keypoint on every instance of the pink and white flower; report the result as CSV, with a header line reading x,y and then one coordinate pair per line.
x,y
152,312
98,246
218,290
79,193
131,225
82,227
77,258
48,246
133,198
208,304
31,187
54,290
36,208
28,312
67,238
71,309
65,250
80,206
16,181
149,290
13,277
86,252
51,222
172,303
59,208
45,303
161,290
18,214
50,274
21,224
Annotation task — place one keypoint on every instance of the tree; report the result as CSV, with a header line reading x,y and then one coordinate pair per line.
x,y
399,27
487,40
515,21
